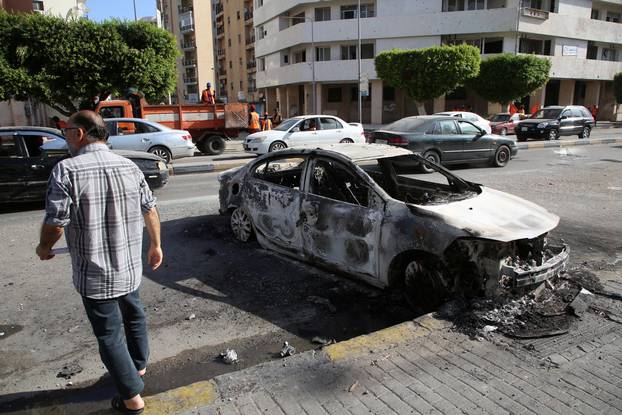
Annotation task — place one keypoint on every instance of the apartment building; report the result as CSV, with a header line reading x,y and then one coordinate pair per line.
x,y
235,50
62,8
582,39
190,22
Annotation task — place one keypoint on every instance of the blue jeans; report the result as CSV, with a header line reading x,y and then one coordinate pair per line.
x,y
123,361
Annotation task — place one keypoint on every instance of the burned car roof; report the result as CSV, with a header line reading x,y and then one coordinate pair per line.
x,y
355,152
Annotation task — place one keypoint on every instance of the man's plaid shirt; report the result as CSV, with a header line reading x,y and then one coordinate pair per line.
x,y
99,198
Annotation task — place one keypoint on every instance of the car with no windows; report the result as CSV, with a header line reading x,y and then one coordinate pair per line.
x,y
359,209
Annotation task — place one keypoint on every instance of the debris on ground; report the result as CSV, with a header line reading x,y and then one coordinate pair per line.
x,y
581,302
322,301
287,350
229,356
191,317
69,370
353,386
322,341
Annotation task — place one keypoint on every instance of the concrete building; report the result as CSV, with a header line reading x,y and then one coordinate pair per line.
x,y
582,38
235,50
190,21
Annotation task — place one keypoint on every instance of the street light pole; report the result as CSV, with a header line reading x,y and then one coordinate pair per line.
x,y
135,18
358,57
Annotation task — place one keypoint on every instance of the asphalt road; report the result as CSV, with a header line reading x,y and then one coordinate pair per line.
x,y
244,297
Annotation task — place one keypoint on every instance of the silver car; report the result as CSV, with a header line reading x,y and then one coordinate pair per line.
x,y
358,209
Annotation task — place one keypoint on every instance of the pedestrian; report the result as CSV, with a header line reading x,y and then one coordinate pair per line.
x,y
594,112
208,96
276,117
253,120
58,123
266,124
99,197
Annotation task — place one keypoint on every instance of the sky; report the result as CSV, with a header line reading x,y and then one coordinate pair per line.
x,y
123,9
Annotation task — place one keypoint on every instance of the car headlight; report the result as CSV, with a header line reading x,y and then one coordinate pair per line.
x,y
259,139
161,165
542,125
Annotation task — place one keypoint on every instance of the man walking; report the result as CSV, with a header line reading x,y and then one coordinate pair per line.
x,y
99,198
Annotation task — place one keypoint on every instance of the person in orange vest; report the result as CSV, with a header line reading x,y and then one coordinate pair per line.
x,y
207,96
266,123
253,120
594,112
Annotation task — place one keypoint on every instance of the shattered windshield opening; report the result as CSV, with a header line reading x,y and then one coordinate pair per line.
x,y
400,177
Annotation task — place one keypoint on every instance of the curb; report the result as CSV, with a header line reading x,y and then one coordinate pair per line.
x,y
204,393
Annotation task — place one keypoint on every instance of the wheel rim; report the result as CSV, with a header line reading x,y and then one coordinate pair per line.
x,y
160,152
241,225
552,134
278,146
347,140
503,155
423,285
586,132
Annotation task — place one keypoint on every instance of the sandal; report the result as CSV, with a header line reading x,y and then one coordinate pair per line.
x,y
118,404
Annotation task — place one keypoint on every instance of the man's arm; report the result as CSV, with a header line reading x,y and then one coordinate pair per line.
x,y
152,223
50,234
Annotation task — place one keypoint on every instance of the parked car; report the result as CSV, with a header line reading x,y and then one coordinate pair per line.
x,y
447,140
482,123
357,209
25,167
504,123
140,135
314,130
552,122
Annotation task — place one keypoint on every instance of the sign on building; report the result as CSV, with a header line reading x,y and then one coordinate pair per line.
x,y
568,50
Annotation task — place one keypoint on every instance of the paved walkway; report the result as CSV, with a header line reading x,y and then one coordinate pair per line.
x,y
424,367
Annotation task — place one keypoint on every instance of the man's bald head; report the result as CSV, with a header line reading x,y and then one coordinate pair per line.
x,y
92,124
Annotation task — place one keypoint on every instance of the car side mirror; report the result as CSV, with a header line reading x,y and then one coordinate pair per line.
x,y
563,117
481,133
296,130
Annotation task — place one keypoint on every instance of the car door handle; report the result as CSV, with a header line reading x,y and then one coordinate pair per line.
x,y
145,140
37,167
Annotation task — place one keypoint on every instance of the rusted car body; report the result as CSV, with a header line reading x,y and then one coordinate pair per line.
x,y
357,208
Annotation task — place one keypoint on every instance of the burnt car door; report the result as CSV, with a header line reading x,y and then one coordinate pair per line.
x,y
341,217
271,196
476,145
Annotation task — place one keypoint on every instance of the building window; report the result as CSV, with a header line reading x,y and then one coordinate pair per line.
x,y
454,5
348,52
367,10
37,5
594,14
592,51
285,60
475,4
238,14
241,63
300,56
230,65
228,19
299,18
493,45
241,85
262,64
535,46
258,3
608,54
239,39
367,51
322,54
613,17
261,33
349,12
333,95
229,42
322,14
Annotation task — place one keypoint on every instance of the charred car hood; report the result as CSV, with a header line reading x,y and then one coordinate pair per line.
x,y
497,216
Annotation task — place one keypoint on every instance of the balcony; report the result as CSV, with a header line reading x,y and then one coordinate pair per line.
x,y
248,17
220,53
219,8
186,28
251,90
535,13
190,79
250,41
188,45
184,9
188,62
251,65
220,31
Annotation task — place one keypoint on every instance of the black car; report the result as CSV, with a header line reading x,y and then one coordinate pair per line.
x,y
25,168
550,123
447,140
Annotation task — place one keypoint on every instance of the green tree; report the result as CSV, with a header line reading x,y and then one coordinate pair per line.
x,y
505,78
61,62
430,72
617,87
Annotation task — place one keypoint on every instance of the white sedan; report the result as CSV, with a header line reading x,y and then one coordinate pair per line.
x,y
140,135
315,130
482,123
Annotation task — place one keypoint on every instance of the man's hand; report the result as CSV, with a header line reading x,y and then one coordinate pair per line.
x,y
154,256
44,253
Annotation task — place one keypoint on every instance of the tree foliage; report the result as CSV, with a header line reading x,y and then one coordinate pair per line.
x,y
430,72
505,78
60,62
617,87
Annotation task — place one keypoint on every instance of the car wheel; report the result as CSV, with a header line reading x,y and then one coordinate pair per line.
x,y
503,132
276,146
433,157
585,133
162,152
553,134
424,284
347,140
502,156
241,225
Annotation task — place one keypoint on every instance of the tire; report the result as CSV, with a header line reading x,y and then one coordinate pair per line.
x,y
212,145
276,146
163,152
424,285
503,132
347,140
553,134
502,156
241,225
433,157
585,133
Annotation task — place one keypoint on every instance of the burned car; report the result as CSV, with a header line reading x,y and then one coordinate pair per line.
x,y
361,210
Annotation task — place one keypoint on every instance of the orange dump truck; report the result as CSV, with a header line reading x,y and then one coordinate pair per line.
x,y
209,124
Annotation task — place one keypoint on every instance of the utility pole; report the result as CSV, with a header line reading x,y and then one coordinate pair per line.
x,y
135,17
358,57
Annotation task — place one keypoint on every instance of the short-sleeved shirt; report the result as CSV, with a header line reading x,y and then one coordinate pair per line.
x,y
99,198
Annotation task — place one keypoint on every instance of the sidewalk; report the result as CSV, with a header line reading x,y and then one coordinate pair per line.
x,y
234,156
425,367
